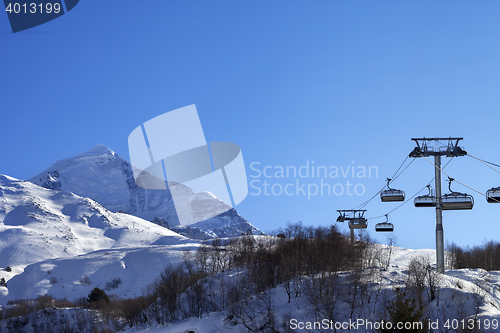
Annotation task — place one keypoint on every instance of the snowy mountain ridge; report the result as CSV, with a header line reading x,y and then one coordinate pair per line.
x,y
102,175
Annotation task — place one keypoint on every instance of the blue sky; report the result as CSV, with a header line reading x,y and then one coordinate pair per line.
x,y
289,81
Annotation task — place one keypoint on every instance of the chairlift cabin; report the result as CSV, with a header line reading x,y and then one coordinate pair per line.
x,y
427,200
384,226
493,195
358,223
456,200
391,195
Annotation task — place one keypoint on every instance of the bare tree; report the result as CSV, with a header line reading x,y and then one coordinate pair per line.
x,y
478,297
267,311
462,308
202,255
323,294
391,243
378,290
416,279
355,286
433,279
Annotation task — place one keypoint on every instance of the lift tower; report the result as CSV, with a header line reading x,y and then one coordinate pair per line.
x,y
356,220
423,149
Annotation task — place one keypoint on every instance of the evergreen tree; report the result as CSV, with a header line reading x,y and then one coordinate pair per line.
x,y
3,282
404,310
97,295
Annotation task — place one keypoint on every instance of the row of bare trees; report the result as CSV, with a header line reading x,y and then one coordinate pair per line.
x,y
304,261
485,256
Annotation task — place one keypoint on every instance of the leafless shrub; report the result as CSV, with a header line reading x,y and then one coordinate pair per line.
x,y
85,281
422,277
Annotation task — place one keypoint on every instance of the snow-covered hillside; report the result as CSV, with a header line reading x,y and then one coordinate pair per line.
x,y
102,175
74,244
461,293
124,272
38,224
360,298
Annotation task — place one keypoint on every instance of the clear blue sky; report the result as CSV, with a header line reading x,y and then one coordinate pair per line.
x,y
289,81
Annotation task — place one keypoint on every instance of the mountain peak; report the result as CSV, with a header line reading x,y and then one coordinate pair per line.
x,y
100,146
100,149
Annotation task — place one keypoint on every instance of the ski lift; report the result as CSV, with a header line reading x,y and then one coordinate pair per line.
x,y
358,223
384,226
493,195
341,217
391,194
425,200
355,218
456,200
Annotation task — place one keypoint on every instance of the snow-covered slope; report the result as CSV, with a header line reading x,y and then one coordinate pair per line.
x,y
461,293
124,272
38,224
102,175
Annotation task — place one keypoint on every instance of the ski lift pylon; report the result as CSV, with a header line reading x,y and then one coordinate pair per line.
x,y
341,217
355,217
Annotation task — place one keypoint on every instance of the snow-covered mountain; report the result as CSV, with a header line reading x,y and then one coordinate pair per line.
x,y
37,224
49,237
102,175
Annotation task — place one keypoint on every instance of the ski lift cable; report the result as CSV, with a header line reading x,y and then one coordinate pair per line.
x,y
413,196
361,206
377,217
484,162
455,179
396,175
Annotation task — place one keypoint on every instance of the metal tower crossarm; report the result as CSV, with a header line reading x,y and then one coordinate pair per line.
x,y
424,150
351,214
